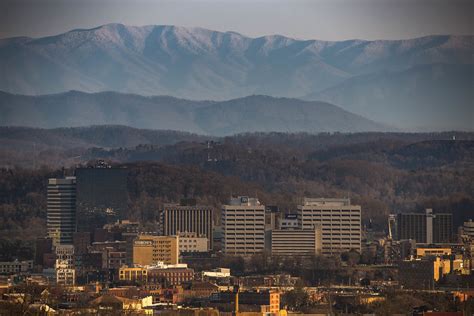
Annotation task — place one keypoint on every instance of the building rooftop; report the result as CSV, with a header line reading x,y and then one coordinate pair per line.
x,y
326,202
244,201
66,180
162,265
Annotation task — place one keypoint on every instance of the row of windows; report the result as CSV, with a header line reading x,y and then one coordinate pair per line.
x,y
334,222
334,226
253,222
245,231
337,238
319,213
246,236
231,242
243,248
328,211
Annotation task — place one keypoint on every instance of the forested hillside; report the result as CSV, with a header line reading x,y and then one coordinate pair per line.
x,y
385,173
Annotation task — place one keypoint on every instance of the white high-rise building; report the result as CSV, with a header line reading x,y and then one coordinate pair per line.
x,y
243,224
61,221
339,221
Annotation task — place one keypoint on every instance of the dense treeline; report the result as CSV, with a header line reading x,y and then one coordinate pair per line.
x,y
384,175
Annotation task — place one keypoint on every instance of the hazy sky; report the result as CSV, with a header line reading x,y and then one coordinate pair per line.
x,y
305,19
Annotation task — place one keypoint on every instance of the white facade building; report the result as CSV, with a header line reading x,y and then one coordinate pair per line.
x,y
191,242
217,273
61,213
296,242
243,223
340,223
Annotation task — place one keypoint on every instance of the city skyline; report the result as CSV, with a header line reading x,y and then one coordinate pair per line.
x,y
236,158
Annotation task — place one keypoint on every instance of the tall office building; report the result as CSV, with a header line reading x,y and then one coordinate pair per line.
x,y
178,219
425,228
339,220
61,210
102,195
243,224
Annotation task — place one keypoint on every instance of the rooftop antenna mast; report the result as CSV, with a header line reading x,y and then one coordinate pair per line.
x,y
34,155
208,151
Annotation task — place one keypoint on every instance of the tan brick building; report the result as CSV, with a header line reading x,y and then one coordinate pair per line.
x,y
149,250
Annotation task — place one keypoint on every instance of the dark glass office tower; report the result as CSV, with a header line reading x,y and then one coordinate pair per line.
x,y
102,196
412,226
442,228
425,228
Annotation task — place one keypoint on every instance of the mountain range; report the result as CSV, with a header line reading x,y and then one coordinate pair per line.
x,y
218,118
421,83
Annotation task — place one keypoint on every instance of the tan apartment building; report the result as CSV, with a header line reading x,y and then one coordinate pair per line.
x,y
192,242
339,220
149,250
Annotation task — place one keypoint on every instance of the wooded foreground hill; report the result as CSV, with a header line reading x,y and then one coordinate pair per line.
x,y
383,172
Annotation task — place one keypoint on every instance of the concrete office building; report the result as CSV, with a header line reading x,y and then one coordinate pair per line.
x,y
12,267
243,224
192,242
339,220
468,229
295,242
150,250
187,219
425,228
61,210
